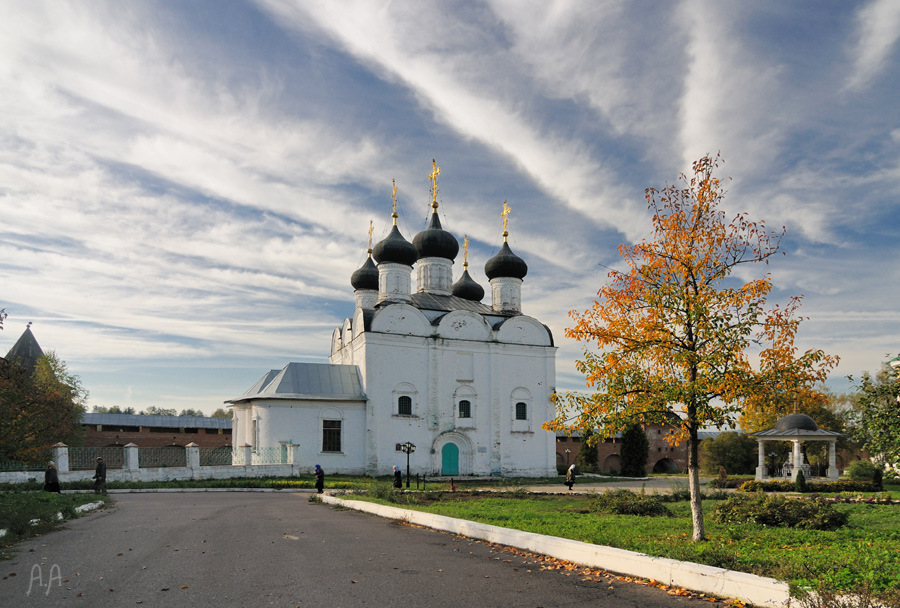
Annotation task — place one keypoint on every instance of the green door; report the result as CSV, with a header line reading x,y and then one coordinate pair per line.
x,y
450,459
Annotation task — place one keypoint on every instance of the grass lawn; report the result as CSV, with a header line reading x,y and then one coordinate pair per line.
x,y
868,548
19,510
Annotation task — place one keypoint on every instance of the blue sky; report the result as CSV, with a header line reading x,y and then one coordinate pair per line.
x,y
186,188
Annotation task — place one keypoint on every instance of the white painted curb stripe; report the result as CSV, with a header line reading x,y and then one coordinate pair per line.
x,y
757,590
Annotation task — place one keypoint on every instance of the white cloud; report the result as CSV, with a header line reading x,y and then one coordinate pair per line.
x,y
877,30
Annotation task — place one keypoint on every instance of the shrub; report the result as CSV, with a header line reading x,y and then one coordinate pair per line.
x,y
730,482
878,478
768,510
800,484
861,470
813,486
634,452
626,502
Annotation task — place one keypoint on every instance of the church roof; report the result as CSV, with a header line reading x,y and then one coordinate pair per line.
x,y
395,249
506,264
435,241
467,289
430,301
319,381
25,351
366,276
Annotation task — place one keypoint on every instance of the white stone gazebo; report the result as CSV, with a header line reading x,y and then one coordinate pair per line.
x,y
797,428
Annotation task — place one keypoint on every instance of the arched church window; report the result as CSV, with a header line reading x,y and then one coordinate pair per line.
x,y
404,406
465,409
521,411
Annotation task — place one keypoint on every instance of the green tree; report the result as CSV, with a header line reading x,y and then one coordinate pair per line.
x,y
112,409
588,458
673,330
736,452
158,411
191,412
38,408
634,451
876,416
221,413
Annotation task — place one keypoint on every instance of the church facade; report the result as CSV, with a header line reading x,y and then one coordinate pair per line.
x,y
468,383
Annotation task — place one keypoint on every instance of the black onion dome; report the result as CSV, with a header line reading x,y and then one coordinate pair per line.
x,y
467,288
506,264
366,276
395,249
435,242
799,422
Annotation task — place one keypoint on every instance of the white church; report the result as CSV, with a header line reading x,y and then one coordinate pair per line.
x,y
468,383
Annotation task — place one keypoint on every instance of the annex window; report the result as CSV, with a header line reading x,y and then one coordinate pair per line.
x,y
404,406
331,435
521,411
465,409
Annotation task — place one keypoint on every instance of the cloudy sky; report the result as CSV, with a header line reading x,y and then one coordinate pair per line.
x,y
186,187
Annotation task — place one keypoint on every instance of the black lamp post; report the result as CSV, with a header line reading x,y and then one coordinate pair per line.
x,y
407,448
568,451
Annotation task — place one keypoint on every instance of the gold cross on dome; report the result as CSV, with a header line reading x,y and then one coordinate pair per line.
x,y
394,199
435,171
505,216
465,251
371,230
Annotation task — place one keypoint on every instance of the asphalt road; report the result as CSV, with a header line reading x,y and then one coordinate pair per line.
x,y
268,549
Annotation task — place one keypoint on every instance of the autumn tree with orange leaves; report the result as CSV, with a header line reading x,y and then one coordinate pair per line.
x,y
676,330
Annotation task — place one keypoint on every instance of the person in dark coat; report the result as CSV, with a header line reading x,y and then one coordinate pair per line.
x,y
320,479
51,479
398,478
100,477
570,477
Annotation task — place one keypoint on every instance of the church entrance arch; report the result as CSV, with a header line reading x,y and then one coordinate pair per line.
x,y
450,459
452,454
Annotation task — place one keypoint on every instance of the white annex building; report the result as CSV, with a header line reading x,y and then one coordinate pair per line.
x,y
468,383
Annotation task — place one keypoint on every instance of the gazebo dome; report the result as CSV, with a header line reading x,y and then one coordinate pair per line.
x,y
799,422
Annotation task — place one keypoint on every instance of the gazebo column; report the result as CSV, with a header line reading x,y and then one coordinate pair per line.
x,y
761,462
832,473
797,460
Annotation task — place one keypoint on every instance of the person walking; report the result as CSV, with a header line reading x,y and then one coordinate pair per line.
x,y
51,479
570,477
398,478
100,477
320,479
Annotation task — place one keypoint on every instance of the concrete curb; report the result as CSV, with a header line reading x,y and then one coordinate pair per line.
x,y
757,590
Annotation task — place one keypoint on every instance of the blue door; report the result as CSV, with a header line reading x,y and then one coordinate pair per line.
x,y
450,459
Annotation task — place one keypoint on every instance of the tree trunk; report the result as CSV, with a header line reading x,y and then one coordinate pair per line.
x,y
694,485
